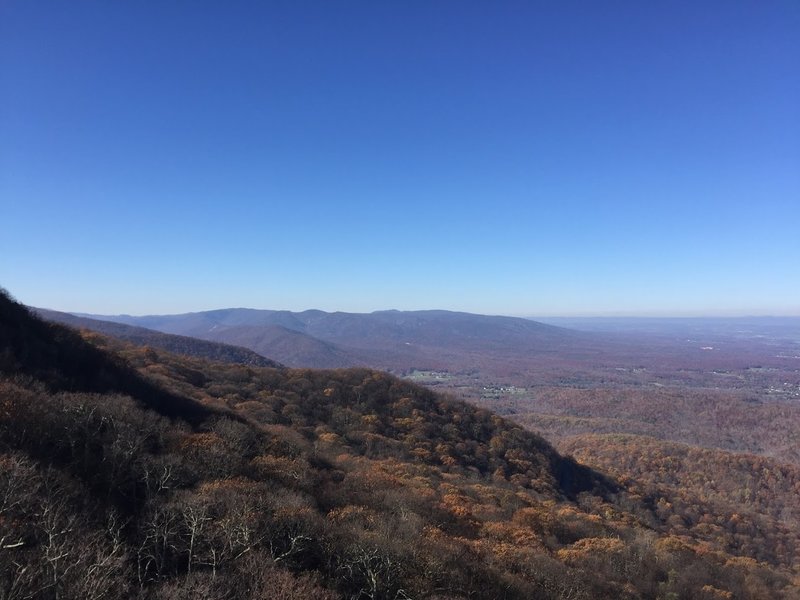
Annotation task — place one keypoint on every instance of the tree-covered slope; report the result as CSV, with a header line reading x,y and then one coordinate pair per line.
x,y
304,484
178,344
60,359
737,502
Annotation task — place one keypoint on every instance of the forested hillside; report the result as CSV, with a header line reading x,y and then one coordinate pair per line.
x,y
178,344
734,420
129,472
738,502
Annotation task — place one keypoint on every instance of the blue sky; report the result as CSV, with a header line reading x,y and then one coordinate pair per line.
x,y
529,158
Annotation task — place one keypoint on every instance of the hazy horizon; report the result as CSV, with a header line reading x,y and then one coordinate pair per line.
x,y
574,159
554,316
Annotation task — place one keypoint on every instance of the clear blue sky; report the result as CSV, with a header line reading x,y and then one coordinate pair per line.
x,y
536,158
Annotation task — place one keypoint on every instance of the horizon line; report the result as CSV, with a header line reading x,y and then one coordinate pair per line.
x,y
528,316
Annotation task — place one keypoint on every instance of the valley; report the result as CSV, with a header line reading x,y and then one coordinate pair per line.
x,y
730,384
626,440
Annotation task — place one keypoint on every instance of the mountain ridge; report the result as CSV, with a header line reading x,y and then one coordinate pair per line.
x,y
381,339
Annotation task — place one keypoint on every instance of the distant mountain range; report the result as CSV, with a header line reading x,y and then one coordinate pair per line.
x,y
465,343
385,339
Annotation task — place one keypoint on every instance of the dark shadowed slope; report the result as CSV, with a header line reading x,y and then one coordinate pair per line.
x,y
179,344
61,359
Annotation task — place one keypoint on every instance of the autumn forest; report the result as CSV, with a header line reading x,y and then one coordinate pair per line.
x,y
132,471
